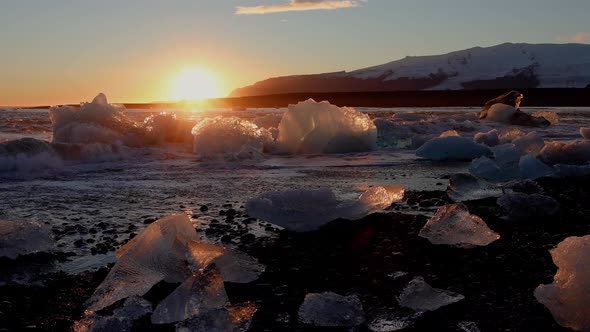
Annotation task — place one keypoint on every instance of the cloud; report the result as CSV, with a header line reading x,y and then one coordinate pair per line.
x,y
580,37
299,5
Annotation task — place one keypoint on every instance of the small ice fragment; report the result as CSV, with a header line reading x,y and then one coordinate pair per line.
x,y
389,323
420,296
397,274
466,187
331,310
454,225
452,148
533,168
235,318
468,326
509,135
531,143
311,127
23,237
449,133
568,296
196,295
520,205
234,266
157,253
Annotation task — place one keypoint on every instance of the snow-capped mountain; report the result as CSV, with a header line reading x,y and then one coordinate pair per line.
x,y
502,66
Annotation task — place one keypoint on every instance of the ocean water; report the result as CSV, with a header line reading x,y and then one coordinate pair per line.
x,y
103,201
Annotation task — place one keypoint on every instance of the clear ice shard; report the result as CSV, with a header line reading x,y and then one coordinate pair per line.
x,y
521,205
454,225
568,297
420,296
466,187
234,266
121,320
234,318
196,295
308,210
466,326
158,253
23,237
329,309
452,148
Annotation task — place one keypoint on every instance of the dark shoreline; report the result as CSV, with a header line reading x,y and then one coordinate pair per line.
x,y
558,97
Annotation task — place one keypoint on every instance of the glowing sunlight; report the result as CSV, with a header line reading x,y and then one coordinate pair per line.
x,y
194,84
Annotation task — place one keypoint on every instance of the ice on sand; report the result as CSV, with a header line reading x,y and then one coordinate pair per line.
x,y
420,296
452,148
489,138
234,266
23,237
234,318
568,297
454,225
585,132
308,210
520,205
158,253
121,320
532,168
466,187
312,127
576,152
329,309
196,295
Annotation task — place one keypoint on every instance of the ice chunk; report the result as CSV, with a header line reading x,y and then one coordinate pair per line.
x,y
509,135
27,155
121,320
569,295
520,205
531,143
234,266
585,132
268,121
468,326
229,319
308,210
503,167
532,168
391,134
501,113
23,237
511,98
389,323
198,294
452,148
311,127
166,128
489,138
157,253
552,117
449,133
576,152
95,122
466,187
420,296
229,136
454,225
331,310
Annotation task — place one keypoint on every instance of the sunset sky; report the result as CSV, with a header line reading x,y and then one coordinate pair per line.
x,y
66,51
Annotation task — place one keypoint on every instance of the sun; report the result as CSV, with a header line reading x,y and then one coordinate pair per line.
x,y
194,84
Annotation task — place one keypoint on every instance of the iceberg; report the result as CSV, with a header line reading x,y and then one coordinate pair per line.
x,y
569,295
329,309
466,187
196,295
308,210
312,127
520,205
454,225
94,122
158,253
576,152
230,136
452,148
501,113
420,296
23,237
